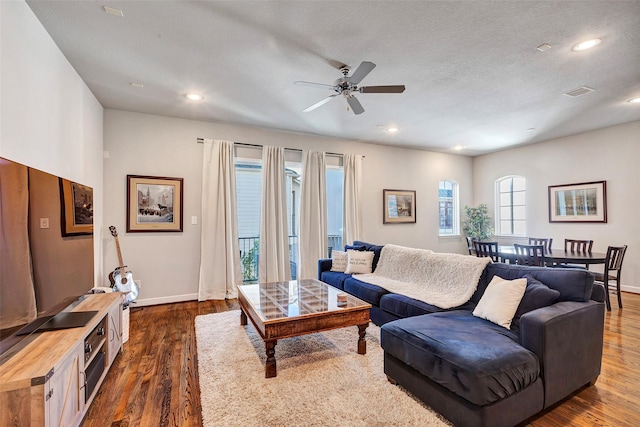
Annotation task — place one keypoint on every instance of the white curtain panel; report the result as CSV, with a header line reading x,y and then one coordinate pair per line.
x,y
220,268
17,295
313,214
352,199
273,263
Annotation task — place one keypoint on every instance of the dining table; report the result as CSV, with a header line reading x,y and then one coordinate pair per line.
x,y
556,256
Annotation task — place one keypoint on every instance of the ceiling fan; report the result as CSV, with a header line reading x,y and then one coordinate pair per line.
x,y
347,85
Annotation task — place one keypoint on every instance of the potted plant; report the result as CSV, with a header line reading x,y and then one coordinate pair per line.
x,y
477,223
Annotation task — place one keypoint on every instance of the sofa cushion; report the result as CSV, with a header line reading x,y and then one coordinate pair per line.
x,y
355,247
334,278
403,306
536,295
359,262
573,284
339,261
472,357
365,291
500,300
376,249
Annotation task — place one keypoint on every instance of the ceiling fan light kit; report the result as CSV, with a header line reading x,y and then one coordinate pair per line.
x,y
347,85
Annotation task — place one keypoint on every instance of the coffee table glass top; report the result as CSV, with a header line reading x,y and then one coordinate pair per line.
x,y
296,298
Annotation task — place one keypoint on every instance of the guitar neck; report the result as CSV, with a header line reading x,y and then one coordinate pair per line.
x,y
121,264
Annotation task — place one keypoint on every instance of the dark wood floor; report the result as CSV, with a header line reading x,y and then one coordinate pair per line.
x,y
154,382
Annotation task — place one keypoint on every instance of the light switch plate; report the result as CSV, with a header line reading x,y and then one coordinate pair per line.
x,y
194,220
44,222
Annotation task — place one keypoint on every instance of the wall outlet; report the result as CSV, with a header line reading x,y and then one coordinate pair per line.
x,y
44,222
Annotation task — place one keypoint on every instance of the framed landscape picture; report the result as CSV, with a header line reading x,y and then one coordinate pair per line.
x,y
154,204
583,202
77,208
399,206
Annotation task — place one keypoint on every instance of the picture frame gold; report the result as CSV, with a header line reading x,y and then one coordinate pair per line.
x,y
399,206
76,208
154,204
582,202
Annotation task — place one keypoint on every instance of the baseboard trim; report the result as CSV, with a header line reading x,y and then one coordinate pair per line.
x,y
165,300
634,289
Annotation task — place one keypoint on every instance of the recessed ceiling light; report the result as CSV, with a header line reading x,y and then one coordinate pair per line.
x,y
113,11
194,96
634,101
531,129
543,47
588,44
138,85
392,129
458,147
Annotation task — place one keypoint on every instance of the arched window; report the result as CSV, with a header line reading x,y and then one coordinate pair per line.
x,y
448,208
510,206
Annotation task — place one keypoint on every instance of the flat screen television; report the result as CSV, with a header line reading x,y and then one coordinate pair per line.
x,y
46,252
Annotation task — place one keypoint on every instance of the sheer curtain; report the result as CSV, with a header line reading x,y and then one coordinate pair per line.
x,y
313,214
220,268
273,263
352,198
17,300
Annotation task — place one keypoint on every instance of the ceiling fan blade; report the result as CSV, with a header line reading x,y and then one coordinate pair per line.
x,y
361,72
316,85
382,89
355,105
319,103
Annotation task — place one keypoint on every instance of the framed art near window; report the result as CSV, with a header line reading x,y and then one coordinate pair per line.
x,y
399,206
154,204
583,202
77,208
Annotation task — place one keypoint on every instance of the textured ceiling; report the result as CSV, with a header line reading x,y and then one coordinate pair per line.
x,y
473,75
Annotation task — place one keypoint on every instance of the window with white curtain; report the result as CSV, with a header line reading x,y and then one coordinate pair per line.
x,y
335,203
448,208
510,206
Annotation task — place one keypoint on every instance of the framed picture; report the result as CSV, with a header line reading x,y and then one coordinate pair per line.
x,y
399,206
154,204
584,202
76,213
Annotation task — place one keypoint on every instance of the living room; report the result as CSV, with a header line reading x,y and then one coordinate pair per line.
x,y
53,122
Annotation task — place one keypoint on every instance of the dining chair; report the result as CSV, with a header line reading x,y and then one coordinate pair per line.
x,y
486,249
470,241
572,245
542,241
529,254
612,271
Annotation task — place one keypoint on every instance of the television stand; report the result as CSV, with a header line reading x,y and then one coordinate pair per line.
x,y
53,379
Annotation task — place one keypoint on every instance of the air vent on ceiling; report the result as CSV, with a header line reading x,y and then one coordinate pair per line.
x,y
579,91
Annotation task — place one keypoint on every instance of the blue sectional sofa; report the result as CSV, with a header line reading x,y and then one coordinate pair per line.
x,y
475,372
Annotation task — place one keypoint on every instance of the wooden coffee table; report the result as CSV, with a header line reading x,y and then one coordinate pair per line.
x,y
287,309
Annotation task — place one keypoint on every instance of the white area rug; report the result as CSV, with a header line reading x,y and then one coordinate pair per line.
x,y
321,381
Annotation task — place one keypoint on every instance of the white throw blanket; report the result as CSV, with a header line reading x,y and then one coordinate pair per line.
x,y
440,279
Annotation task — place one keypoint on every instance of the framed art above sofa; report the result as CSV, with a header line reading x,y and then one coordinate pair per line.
x,y
399,206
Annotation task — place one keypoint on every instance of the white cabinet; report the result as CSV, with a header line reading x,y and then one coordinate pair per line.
x,y
64,397
114,335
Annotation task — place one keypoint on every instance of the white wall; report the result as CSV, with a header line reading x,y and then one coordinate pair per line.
x,y
168,263
610,154
49,119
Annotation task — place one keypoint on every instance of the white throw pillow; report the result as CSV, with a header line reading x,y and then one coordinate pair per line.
x,y
339,261
359,262
500,300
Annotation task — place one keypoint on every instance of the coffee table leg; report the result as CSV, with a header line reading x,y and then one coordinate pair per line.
x,y
270,367
362,343
243,318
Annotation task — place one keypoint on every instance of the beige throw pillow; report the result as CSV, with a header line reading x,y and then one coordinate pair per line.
x,y
500,300
359,262
339,261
